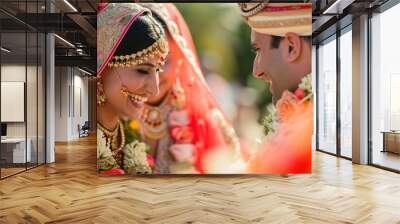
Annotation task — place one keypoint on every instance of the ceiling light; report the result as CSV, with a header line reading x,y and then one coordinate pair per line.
x,y
5,50
79,51
332,8
65,41
84,71
337,7
70,5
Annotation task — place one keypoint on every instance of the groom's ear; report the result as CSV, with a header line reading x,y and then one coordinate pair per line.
x,y
293,46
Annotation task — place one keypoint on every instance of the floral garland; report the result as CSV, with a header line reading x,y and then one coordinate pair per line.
x,y
181,132
137,157
286,105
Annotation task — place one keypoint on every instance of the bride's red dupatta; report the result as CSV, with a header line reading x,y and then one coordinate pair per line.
x,y
207,121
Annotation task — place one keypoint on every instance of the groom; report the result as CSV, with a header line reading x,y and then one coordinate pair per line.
x,y
281,36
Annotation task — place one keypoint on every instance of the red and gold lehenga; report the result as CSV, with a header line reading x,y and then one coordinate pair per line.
x,y
189,113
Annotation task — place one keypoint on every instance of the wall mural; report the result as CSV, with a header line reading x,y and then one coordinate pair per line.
x,y
168,103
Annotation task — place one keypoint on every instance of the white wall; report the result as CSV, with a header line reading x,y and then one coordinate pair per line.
x,y
80,101
71,94
12,73
16,73
314,84
61,103
33,127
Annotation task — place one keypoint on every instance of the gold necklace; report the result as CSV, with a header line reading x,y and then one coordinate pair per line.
x,y
113,136
121,128
154,119
108,132
154,122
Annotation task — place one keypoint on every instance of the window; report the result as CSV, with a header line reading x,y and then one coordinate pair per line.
x,y
385,89
327,96
22,88
346,93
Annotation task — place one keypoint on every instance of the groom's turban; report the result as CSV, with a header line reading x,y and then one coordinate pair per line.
x,y
277,19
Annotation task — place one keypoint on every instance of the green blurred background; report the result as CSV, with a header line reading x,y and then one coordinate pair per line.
x,y
222,39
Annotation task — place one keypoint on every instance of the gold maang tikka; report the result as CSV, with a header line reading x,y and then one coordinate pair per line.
x,y
158,47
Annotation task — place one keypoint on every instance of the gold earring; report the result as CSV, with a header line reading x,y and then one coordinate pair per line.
x,y
101,97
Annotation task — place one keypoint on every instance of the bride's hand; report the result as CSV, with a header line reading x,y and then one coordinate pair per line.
x,y
182,152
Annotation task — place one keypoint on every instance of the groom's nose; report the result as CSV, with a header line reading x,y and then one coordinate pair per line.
x,y
256,71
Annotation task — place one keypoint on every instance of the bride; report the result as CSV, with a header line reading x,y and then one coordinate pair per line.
x,y
131,50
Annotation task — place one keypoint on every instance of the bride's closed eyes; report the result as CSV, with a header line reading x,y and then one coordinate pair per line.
x,y
143,71
146,69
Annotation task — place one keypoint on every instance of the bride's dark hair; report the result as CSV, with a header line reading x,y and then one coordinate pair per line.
x,y
144,32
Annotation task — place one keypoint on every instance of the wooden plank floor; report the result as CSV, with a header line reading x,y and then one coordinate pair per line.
x,y
10,171
70,191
